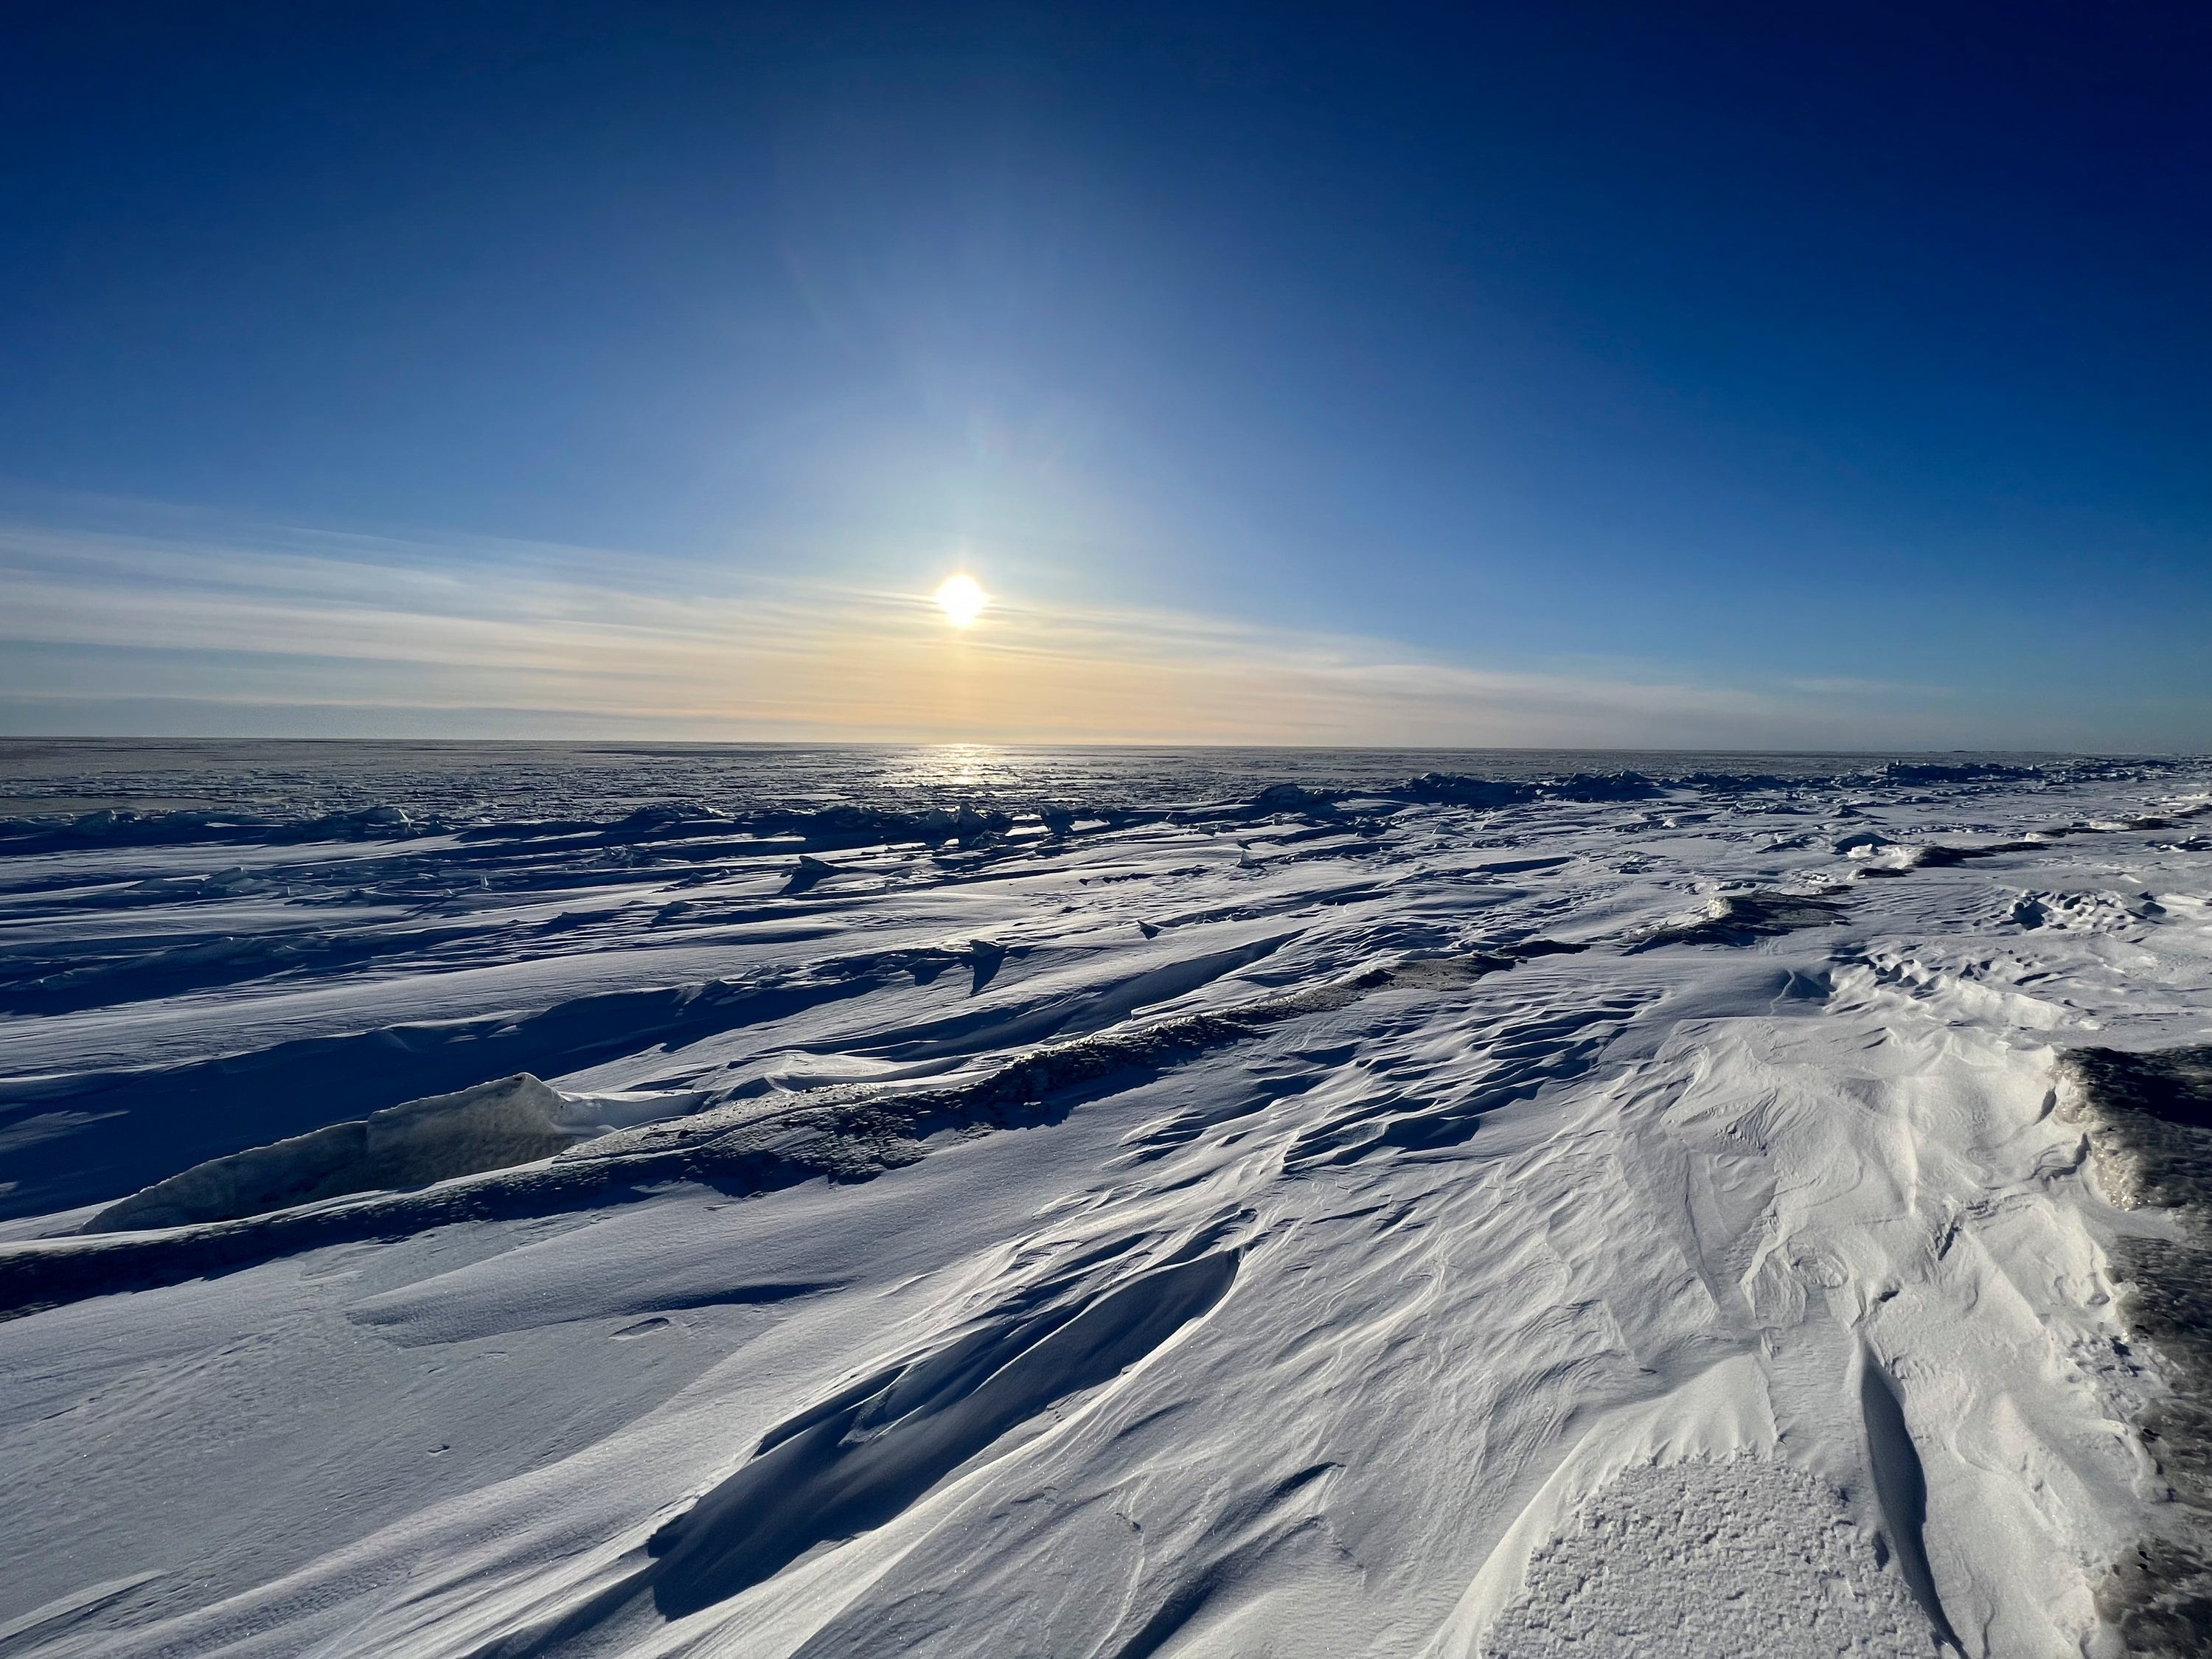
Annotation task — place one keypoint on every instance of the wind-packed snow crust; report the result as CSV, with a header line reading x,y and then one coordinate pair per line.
x,y
1600,1211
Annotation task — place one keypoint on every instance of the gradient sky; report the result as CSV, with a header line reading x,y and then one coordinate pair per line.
x,y
1756,375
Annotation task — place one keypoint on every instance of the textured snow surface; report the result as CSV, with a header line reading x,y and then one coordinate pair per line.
x,y
1303,1211
1740,1556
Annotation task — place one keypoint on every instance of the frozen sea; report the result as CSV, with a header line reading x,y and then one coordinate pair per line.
x,y
619,1199
305,778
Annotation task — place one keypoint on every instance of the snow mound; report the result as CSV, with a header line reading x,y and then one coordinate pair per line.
x,y
1741,918
514,1120
2095,913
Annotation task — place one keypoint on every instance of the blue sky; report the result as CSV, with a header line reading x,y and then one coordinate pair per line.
x,y
1564,373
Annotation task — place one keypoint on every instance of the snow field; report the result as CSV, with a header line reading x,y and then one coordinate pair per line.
x,y
1508,1230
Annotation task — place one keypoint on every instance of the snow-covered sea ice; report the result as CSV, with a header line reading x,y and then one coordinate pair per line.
x,y
533,1201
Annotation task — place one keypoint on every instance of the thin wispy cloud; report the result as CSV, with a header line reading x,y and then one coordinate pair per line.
x,y
497,637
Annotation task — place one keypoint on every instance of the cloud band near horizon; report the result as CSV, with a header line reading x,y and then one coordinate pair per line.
x,y
314,634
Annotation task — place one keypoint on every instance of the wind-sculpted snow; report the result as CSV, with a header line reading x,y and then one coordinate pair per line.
x,y
488,1202
1900,1489
853,1462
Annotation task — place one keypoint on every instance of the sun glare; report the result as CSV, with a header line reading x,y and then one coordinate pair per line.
x,y
962,600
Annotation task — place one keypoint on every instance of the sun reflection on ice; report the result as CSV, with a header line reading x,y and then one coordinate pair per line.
x,y
933,768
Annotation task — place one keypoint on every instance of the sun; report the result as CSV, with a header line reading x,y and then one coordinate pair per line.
x,y
962,599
